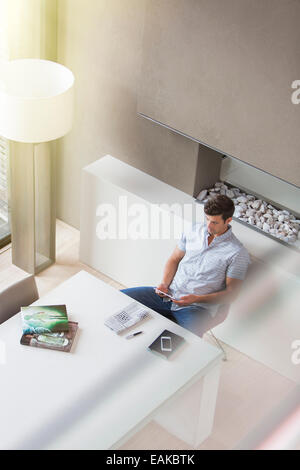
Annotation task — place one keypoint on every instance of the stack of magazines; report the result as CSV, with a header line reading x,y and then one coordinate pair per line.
x,y
126,317
47,327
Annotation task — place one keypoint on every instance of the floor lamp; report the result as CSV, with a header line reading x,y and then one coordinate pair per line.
x,y
36,108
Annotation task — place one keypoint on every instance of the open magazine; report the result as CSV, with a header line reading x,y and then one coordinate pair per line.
x,y
126,317
41,319
60,341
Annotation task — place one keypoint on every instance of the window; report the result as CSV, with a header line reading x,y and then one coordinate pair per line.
x,y
4,145
4,211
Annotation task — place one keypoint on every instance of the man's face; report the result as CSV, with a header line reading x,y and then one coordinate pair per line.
x,y
216,225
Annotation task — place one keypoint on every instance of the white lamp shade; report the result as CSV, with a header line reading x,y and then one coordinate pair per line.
x,y
36,100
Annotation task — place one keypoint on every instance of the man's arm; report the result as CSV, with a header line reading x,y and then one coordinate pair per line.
x,y
226,296
170,269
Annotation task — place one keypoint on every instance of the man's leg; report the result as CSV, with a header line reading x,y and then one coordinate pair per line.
x,y
197,320
146,295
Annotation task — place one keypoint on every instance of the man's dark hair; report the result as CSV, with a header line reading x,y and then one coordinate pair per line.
x,y
219,205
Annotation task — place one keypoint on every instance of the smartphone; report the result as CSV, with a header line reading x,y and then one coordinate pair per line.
x,y
165,343
167,295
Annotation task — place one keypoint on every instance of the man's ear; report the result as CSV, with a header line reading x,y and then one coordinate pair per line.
x,y
228,220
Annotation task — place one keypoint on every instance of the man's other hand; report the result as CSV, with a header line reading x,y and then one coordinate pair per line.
x,y
163,287
186,300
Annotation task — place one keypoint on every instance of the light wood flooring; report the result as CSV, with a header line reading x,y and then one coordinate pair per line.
x,y
249,392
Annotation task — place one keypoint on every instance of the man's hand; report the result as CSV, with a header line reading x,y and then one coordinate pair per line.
x,y
163,287
170,270
186,300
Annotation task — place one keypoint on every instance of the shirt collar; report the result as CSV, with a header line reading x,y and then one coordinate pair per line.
x,y
222,237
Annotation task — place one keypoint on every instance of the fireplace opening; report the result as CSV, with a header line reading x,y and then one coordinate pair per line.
x,y
262,201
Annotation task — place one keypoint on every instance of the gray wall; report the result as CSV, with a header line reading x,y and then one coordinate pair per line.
x,y
101,42
221,71
249,55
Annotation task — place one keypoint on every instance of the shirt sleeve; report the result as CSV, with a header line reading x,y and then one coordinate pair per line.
x,y
238,265
182,242
190,234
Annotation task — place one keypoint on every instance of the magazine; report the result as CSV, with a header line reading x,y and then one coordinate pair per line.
x,y
60,341
37,319
126,317
166,344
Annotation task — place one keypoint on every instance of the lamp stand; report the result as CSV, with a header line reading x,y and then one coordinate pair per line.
x,y
32,199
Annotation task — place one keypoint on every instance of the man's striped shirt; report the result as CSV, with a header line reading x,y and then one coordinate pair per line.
x,y
204,268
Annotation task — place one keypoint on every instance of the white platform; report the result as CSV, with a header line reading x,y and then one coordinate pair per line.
x,y
141,262
110,183
108,387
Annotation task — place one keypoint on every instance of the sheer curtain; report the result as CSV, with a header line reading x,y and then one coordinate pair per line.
x,y
27,30
4,146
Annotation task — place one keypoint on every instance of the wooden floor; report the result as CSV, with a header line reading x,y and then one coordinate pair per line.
x,y
249,392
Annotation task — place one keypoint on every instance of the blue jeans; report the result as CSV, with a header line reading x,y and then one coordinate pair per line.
x,y
195,319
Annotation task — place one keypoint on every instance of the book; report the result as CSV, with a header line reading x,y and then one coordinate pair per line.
x,y
126,317
166,344
60,341
38,319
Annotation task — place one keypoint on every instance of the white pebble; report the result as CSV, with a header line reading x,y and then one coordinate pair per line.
x,y
242,199
250,212
229,193
256,204
202,195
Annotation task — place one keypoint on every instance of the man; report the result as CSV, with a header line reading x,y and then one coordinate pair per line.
x,y
205,270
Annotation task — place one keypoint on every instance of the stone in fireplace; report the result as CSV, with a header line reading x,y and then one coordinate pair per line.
x,y
258,213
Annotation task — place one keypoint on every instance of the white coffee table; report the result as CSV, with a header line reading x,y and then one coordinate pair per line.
x,y
108,387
